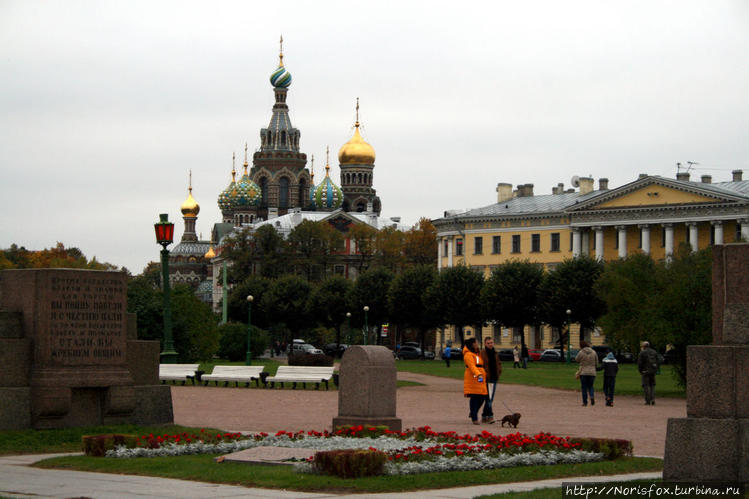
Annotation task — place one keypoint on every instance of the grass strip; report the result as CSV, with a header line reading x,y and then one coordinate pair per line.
x,y
553,375
202,468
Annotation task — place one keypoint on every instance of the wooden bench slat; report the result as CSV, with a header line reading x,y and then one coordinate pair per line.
x,y
302,374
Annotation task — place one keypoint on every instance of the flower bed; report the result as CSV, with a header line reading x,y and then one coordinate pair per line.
x,y
418,450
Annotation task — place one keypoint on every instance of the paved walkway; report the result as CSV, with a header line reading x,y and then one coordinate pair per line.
x,y
439,404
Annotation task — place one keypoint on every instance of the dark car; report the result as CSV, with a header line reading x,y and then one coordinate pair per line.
x,y
551,355
506,354
455,354
334,350
625,357
409,352
601,350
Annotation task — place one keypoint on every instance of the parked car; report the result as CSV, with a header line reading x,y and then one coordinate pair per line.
x,y
535,354
334,350
625,357
601,350
410,352
551,355
411,344
506,354
303,348
455,354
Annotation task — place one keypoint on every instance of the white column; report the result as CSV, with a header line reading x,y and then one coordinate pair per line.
x,y
440,243
669,241
576,243
693,235
744,228
622,235
645,232
449,251
599,243
718,225
586,242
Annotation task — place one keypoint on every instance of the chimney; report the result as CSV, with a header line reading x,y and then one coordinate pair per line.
x,y
370,207
642,175
525,190
272,213
504,192
737,175
559,189
683,176
586,185
296,216
603,184
706,179
395,219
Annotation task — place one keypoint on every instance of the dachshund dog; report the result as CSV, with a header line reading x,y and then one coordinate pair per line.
x,y
511,419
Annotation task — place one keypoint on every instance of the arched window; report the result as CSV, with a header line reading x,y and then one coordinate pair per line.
x,y
264,191
283,139
361,206
360,179
283,193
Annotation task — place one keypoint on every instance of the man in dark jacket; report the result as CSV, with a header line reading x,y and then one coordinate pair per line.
x,y
647,364
493,366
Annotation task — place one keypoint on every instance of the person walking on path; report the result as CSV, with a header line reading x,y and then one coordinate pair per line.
x,y
446,354
524,354
474,384
493,367
610,368
647,364
588,360
516,357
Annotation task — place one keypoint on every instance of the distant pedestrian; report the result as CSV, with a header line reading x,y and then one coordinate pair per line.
x,y
493,367
524,354
474,385
277,346
516,357
446,355
610,368
588,360
647,364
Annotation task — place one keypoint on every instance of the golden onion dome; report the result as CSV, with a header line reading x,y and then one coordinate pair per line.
x,y
210,254
190,208
356,151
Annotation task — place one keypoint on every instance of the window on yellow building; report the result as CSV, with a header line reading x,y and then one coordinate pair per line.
x,y
478,245
516,244
535,243
571,237
496,244
459,247
663,237
555,241
737,237
447,246
516,335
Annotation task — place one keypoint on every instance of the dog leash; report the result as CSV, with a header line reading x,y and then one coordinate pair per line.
x,y
508,408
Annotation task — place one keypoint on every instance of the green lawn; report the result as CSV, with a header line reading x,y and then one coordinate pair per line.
x,y
552,375
202,468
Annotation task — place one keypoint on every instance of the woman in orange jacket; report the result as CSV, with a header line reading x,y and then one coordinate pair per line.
x,y
474,379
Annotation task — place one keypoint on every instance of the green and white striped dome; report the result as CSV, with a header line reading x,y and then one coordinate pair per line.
x,y
327,195
280,78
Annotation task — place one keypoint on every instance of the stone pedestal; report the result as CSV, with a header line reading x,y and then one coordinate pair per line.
x,y
68,355
712,442
367,388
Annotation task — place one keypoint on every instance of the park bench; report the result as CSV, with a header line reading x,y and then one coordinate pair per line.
x,y
301,374
237,374
178,372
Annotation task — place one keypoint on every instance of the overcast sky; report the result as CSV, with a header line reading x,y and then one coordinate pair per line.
x,y
106,106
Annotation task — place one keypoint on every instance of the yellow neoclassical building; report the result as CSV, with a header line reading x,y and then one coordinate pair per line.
x,y
652,214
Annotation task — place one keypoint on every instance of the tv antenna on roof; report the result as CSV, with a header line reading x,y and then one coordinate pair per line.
x,y
688,168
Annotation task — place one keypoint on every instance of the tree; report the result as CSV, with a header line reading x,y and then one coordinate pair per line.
x,y
237,309
389,244
511,294
145,299
57,257
328,303
312,243
456,295
239,248
571,286
363,236
285,303
628,287
370,289
271,251
420,244
405,300
233,341
331,242
194,326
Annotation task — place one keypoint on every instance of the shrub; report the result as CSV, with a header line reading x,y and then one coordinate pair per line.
x,y
98,445
233,341
310,359
350,463
610,448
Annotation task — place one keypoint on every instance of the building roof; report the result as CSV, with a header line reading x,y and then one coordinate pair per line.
x,y
198,248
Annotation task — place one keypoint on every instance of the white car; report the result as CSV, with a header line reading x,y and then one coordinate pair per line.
x,y
304,348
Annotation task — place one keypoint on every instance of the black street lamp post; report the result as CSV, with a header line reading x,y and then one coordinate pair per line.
x,y
165,237
366,327
348,328
569,334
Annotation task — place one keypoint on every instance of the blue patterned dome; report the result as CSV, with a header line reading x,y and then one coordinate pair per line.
x,y
280,78
327,195
248,193
226,196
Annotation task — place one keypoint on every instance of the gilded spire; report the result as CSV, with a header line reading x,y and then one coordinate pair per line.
x,y
357,113
245,158
327,161
280,53
233,170
312,170
189,183
356,150
190,207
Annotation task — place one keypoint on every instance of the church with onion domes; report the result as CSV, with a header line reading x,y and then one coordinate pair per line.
x,y
279,188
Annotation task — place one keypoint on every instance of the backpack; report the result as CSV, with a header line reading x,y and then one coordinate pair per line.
x,y
651,361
